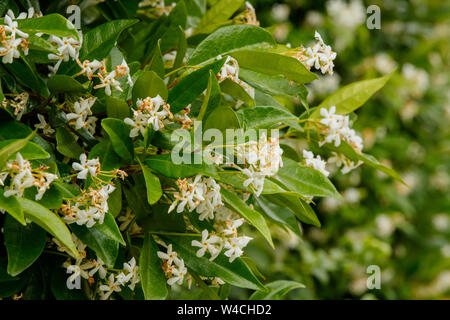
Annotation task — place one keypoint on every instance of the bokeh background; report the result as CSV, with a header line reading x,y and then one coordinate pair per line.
x,y
403,230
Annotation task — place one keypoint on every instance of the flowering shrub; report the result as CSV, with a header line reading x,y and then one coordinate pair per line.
x,y
98,201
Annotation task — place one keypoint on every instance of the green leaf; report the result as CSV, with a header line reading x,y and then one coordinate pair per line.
x,y
222,118
12,206
228,39
163,164
156,63
52,198
110,229
117,108
24,244
53,24
298,206
212,97
191,86
98,42
13,147
237,91
119,133
68,191
352,96
264,117
274,64
304,180
48,221
66,143
154,191
61,83
109,159
24,71
276,85
149,84
236,273
220,12
276,290
31,151
103,246
152,276
115,201
39,44
280,215
252,216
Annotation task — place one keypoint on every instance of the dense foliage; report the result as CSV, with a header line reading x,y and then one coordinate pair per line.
x,y
98,202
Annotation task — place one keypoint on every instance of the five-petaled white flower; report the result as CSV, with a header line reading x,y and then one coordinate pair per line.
x,y
86,166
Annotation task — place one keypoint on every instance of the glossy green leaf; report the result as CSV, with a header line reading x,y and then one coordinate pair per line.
x,y
228,39
104,150
24,244
48,221
274,64
31,151
252,216
110,228
264,117
276,290
105,248
53,23
152,276
222,118
12,206
98,42
219,12
117,108
66,143
154,191
13,147
163,164
212,98
149,84
305,180
237,91
119,134
352,96
61,83
191,86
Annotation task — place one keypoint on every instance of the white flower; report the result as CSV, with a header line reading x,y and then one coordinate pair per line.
x,y
178,273
170,255
82,109
235,246
231,227
43,184
23,177
86,166
348,15
88,68
319,55
207,244
44,126
315,162
133,272
10,50
67,47
338,129
12,26
97,266
111,286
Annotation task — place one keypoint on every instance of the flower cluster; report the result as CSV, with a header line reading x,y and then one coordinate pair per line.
x,y
23,176
81,115
108,80
89,207
12,38
129,276
226,224
44,126
18,104
230,70
151,111
202,194
67,48
260,158
315,162
173,266
318,55
337,129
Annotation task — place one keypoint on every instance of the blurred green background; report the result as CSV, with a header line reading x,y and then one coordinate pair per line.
x,y
403,230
